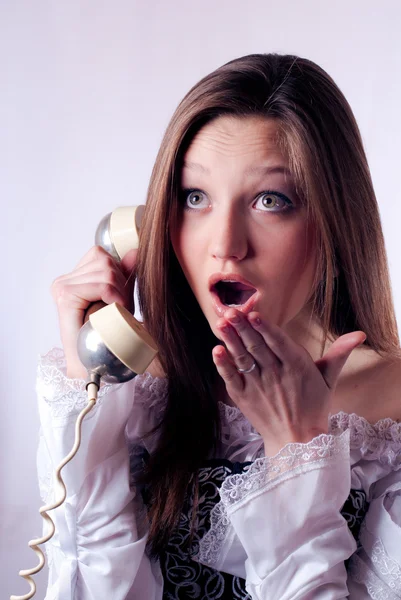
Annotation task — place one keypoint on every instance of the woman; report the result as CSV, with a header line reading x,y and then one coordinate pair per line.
x,y
244,463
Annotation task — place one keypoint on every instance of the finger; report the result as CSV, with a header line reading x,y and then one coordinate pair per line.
x,y
79,296
114,277
94,253
99,278
240,356
100,262
252,340
104,266
332,363
279,343
128,261
227,370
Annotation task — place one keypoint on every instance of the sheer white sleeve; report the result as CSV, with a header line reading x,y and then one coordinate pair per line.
x,y
375,569
281,519
98,550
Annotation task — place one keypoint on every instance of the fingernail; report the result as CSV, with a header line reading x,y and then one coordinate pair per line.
x,y
234,319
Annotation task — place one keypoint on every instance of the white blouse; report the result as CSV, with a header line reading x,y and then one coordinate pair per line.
x,y
276,524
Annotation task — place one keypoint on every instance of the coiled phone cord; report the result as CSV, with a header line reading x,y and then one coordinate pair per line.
x,y
92,389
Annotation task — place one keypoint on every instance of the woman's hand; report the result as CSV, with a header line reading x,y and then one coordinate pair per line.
x,y
286,396
97,277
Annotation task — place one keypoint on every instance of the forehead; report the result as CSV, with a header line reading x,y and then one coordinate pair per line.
x,y
239,138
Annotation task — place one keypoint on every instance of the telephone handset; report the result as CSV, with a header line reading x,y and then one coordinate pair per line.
x,y
112,345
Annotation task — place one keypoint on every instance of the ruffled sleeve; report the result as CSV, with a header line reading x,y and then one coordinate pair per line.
x,y
375,569
98,550
279,523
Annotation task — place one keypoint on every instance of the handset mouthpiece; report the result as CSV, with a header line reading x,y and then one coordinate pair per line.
x,y
114,345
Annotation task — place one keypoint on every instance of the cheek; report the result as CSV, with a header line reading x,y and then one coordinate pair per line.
x,y
303,276
307,257
301,250
295,273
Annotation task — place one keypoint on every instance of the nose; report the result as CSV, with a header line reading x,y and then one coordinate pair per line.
x,y
229,237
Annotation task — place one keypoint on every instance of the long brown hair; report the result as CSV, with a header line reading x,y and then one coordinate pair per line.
x,y
321,138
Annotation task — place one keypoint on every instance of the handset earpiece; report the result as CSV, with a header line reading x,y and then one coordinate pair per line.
x,y
118,232
112,344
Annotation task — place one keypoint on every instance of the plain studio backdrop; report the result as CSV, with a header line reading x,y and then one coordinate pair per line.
x,y
87,89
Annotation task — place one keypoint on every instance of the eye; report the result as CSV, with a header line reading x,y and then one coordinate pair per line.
x,y
194,199
269,201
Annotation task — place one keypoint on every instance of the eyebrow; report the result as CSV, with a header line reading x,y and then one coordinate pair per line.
x,y
259,170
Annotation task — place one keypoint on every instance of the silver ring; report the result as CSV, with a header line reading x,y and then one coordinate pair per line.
x,y
247,370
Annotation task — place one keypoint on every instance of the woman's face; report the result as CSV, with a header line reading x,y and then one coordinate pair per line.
x,y
242,238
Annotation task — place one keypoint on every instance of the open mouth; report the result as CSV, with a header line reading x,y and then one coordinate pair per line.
x,y
233,293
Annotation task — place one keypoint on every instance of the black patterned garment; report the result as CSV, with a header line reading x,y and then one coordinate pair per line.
x,y
184,578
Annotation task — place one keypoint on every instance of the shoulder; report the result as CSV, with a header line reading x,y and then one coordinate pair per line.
x,y
370,386
387,378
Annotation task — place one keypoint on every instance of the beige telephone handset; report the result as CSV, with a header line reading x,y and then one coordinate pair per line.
x,y
112,345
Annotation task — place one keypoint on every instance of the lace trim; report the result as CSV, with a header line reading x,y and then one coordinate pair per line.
x,y
232,418
151,391
360,573
261,476
381,441
64,396
266,473
67,396
388,568
385,566
211,544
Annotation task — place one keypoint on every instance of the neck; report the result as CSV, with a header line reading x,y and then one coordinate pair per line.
x,y
306,331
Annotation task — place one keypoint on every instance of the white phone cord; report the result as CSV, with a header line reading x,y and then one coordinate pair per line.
x,y
92,389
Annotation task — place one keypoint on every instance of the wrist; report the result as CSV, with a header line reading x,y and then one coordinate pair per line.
x,y
274,445
75,370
